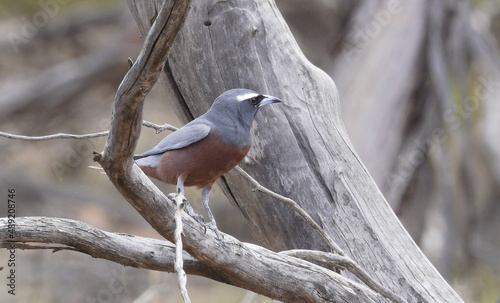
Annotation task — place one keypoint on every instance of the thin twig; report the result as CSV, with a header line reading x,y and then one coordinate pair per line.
x,y
343,262
329,241
59,234
179,263
54,136
157,127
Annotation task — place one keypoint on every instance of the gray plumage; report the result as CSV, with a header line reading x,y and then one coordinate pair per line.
x,y
223,133
232,113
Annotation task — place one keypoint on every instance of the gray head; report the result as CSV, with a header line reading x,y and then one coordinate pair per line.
x,y
233,113
240,105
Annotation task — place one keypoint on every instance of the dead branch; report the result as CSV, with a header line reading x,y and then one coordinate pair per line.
x,y
158,128
66,234
53,136
341,263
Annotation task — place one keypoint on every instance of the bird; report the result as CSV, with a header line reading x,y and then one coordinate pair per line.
x,y
200,152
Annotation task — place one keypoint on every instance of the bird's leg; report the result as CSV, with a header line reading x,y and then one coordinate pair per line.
x,y
180,185
190,211
204,199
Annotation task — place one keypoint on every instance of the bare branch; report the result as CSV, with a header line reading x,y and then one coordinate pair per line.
x,y
54,136
157,127
65,234
139,80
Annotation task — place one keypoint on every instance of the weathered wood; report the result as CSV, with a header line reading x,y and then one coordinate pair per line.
x,y
415,112
65,234
285,278
300,149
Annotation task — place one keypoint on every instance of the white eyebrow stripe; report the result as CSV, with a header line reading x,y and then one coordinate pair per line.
x,y
246,96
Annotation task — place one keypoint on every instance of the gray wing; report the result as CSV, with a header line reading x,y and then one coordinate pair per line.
x,y
184,136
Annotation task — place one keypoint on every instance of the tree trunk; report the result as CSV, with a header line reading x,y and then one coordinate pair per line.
x,y
300,147
419,87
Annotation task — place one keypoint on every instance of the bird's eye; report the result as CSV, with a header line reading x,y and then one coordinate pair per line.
x,y
256,100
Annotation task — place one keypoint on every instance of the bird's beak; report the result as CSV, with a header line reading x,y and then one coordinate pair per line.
x,y
268,100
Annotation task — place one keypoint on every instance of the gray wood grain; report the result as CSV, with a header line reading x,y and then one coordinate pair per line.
x,y
66,234
300,149
281,277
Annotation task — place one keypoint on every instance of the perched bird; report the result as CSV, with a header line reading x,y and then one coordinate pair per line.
x,y
201,151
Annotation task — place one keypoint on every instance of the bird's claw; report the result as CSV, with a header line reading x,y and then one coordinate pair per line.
x,y
213,227
190,211
197,217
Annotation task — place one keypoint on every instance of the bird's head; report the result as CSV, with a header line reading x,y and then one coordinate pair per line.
x,y
241,104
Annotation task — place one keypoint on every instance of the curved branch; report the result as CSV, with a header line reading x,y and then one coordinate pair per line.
x,y
65,234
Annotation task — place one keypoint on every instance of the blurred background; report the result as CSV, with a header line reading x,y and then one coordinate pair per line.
x,y
419,87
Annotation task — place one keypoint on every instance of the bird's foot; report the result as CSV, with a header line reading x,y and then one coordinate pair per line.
x,y
190,211
213,227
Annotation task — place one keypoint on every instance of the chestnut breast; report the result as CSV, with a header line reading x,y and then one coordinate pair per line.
x,y
200,163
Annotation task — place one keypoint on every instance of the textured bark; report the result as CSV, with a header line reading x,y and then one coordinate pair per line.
x,y
65,234
300,148
254,268
419,85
